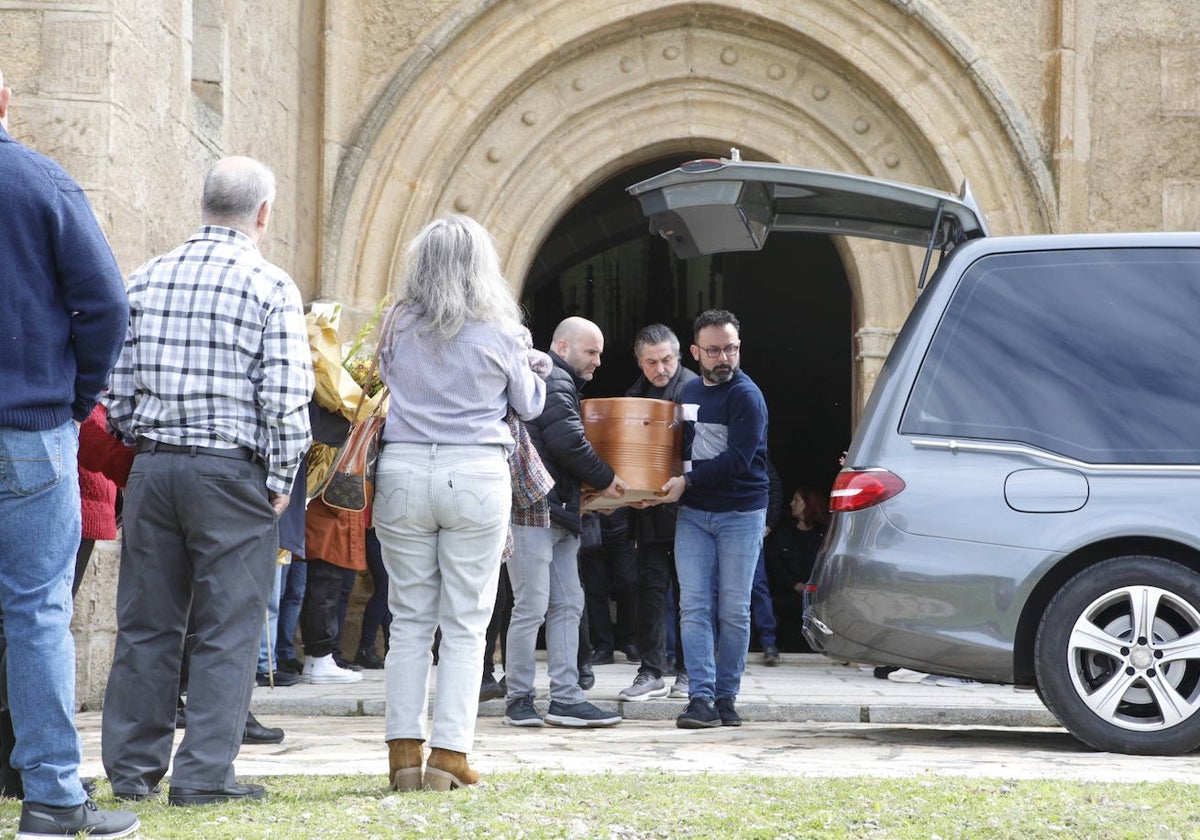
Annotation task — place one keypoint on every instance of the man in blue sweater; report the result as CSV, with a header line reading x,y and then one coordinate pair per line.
x,y
61,327
722,513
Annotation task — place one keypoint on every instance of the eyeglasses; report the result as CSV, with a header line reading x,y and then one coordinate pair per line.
x,y
729,350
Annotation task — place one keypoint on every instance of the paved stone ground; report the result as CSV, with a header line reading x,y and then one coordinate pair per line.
x,y
805,717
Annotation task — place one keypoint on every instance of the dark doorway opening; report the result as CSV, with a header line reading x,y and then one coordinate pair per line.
x,y
792,298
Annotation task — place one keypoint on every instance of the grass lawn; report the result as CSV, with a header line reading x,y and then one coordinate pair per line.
x,y
667,805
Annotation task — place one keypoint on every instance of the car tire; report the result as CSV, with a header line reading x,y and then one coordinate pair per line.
x,y
1113,686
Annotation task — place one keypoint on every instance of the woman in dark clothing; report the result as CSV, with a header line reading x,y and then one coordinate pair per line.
x,y
791,551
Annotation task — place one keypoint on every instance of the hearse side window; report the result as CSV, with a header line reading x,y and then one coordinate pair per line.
x,y
1092,354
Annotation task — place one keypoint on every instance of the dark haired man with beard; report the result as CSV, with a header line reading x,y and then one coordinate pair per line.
x,y
722,513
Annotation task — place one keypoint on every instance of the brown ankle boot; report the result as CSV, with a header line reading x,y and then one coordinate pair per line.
x,y
404,763
447,770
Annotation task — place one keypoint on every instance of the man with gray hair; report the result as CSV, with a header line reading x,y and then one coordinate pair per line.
x,y
60,328
212,388
663,377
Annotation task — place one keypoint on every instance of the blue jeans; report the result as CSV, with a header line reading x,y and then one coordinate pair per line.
x,y
762,610
291,598
39,533
716,552
265,664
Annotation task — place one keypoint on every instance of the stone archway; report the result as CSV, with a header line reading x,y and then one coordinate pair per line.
x,y
512,119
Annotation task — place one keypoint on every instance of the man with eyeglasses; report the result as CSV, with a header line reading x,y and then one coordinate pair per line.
x,y
657,350
722,513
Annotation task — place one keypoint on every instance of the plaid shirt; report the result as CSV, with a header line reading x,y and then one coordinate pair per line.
x,y
216,354
531,480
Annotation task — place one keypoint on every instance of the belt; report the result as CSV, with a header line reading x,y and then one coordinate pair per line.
x,y
238,453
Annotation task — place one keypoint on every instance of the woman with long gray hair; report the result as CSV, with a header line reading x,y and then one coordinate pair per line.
x,y
456,356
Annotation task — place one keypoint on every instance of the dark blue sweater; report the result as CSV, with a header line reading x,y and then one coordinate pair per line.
x,y
725,445
63,309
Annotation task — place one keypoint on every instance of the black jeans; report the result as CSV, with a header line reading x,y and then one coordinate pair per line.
x,y
376,614
320,615
610,571
497,629
656,570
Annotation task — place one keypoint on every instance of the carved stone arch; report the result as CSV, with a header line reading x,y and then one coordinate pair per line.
x,y
512,119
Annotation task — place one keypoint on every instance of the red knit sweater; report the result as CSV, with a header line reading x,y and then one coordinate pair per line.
x,y
104,463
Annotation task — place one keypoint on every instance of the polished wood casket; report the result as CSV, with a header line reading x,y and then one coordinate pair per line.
x,y
640,438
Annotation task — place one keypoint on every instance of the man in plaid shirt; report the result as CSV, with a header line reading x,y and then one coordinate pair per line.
x,y
212,388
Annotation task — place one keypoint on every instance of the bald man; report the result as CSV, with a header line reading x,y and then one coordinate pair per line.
x,y
544,567
212,388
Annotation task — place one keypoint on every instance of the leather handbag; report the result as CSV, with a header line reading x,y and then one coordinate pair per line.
x,y
350,484
351,481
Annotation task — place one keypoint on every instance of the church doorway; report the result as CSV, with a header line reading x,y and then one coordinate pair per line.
x,y
792,298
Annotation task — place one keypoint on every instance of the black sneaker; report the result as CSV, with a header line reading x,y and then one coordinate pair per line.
x,y
580,715
699,714
587,677
489,689
522,712
728,714
770,655
279,679
369,659
48,821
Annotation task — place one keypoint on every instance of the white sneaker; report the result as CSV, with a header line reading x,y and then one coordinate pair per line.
x,y
322,670
644,687
906,675
680,690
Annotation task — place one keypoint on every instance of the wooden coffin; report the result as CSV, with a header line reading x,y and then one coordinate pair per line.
x,y
641,439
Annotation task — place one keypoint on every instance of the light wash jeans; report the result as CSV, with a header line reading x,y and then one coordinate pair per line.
x,y
39,534
544,570
271,623
716,552
441,514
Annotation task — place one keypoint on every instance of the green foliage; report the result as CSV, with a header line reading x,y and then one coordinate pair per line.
x,y
645,806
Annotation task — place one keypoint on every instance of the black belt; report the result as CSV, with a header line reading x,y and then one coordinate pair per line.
x,y
239,453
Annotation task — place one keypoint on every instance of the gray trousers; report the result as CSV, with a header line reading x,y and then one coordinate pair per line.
x,y
544,570
200,538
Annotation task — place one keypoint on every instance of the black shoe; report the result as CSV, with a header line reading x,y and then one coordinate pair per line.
x,y
587,679
369,659
128,796
728,714
631,653
180,718
699,714
190,796
881,671
343,662
770,655
89,787
602,657
292,666
256,733
489,689
282,678
48,821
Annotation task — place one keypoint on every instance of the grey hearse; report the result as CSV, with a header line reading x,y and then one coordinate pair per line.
x,y
1021,500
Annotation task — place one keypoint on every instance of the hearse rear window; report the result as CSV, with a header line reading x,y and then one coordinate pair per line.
x,y
1091,354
